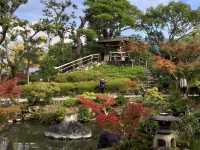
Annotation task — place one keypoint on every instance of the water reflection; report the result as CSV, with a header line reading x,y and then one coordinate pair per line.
x,y
30,136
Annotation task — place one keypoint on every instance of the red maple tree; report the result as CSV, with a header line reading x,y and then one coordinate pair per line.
x,y
164,65
9,89
107,118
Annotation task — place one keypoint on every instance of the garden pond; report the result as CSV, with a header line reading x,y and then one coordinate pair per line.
x,y
30,136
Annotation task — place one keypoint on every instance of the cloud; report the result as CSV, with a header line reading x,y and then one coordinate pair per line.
x,y
144,4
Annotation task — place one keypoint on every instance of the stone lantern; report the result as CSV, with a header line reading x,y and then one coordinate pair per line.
x,y
165,137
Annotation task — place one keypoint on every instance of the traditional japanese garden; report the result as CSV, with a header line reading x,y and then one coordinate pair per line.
x,y
112,77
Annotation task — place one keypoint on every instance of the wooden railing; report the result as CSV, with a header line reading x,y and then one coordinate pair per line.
x,y
79,63
139,62
119,58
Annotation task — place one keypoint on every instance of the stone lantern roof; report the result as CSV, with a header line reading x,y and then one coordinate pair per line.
x,y
165,117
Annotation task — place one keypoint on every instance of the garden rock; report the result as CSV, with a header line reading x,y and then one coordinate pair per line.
x,y
70,128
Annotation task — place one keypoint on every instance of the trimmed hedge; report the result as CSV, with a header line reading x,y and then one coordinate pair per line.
x,y
78,76
40,91
46,90
104,71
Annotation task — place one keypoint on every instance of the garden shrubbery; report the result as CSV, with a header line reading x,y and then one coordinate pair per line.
x,y
78,76
104,71
38,91
49,116
71,102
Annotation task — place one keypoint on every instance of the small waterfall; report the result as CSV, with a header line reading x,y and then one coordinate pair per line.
x,y
71,118
3,143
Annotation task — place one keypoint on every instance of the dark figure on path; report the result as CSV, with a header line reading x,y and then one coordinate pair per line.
x,y
102,85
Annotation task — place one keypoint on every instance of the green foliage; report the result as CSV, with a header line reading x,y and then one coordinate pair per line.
x,y
78,76
98,12
7,9
70,102
154,98
89,95
66,88
135,144
61,53
47,68
177,17
121,100
38,91
188,128
56,20
85,114
118,85
176,104
148,127
164,81
49,117
3,118
104,71
124,71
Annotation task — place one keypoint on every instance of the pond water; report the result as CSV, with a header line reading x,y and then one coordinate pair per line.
x,y
30,136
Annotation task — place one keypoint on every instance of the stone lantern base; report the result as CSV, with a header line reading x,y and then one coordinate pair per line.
x,y
164,141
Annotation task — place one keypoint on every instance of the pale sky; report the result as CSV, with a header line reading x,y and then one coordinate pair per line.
x,y
33,9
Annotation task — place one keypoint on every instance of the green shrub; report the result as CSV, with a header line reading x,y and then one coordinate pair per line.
x,y
89,86
123,71
3,118
176,104
78,76
66,88
44,91
77,88
71,102
85,114
103,71
148,127
38,91
188,128
121,100
49,117
154,98
118,85
89,95
142,143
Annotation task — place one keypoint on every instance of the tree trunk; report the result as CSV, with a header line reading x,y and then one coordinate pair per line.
x,y
79,46
3,35
27,72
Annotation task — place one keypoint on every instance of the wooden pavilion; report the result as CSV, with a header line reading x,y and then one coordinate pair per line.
x,y
115,50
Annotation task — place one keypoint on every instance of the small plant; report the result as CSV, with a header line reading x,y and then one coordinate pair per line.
x,y
176,104
154,98
121,100
71,102
46,117
85,114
